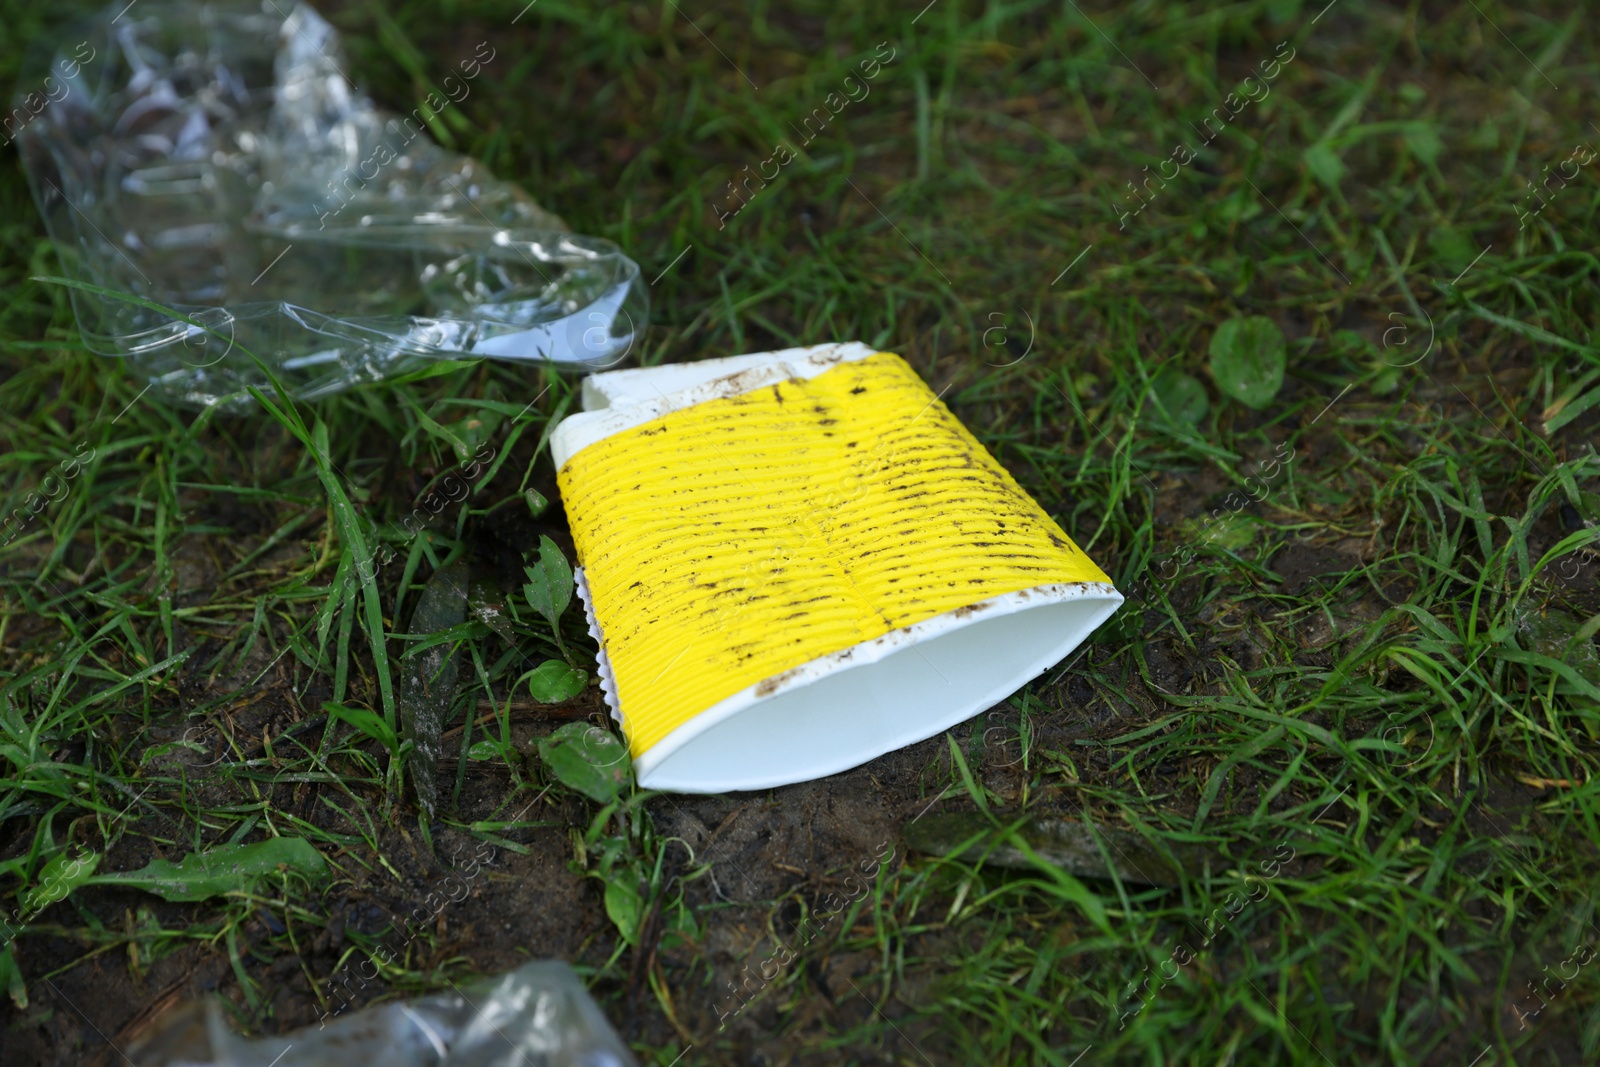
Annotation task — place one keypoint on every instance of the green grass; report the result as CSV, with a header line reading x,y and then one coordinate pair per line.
x,y
1374,664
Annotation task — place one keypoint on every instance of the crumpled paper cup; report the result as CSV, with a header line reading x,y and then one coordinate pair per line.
x,y
797,561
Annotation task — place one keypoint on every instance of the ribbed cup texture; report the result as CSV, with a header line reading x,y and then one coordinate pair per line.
x,y
729,542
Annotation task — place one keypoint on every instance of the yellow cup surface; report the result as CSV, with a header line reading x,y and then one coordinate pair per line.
x,y
728,542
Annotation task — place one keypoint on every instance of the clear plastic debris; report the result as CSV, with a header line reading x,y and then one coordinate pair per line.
x,y
214,159
539,1015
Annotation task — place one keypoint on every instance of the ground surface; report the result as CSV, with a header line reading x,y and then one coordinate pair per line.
x,y
1355,665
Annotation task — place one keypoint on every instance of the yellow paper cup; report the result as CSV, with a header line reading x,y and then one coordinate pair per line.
x,y
797,561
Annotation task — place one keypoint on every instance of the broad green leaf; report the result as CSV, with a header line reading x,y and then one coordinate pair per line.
x,y
1229,530
58,878
549,588
221,870
587,759
625,907
553,681
1180,397
485,750
1247,359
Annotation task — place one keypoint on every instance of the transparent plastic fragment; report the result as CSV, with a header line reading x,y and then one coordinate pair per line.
x,y
539,1015
214,159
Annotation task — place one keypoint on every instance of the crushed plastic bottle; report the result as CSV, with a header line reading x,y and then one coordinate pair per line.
x,y
213,159
539,1015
